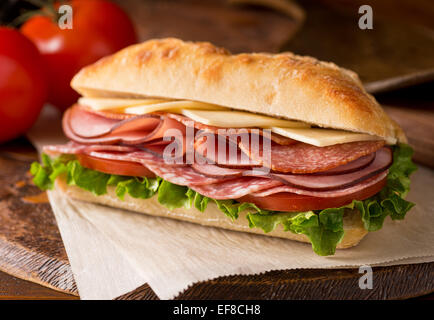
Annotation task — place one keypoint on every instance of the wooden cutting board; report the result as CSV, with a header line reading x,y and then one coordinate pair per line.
x,y
30,244
31,248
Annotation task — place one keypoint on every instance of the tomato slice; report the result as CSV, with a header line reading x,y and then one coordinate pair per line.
x,y
291,202
123,168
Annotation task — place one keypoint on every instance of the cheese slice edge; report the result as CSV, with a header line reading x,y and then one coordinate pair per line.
x,y
101,104
323,137
239,119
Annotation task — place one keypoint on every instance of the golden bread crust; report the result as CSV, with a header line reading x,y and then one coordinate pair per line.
x,y
281,85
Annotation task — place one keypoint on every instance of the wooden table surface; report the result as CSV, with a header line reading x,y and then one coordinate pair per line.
x,y
14,288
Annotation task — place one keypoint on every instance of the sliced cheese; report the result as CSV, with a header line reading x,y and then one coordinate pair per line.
x,y
323,137
239,119
172,106
113,103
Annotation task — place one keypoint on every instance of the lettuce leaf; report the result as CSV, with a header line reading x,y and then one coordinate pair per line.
x,y
87,179
90,180
390,201
230,208
44,174
141,188
173,196
324,228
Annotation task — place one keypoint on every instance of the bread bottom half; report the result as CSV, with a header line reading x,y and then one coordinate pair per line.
x,y
353,226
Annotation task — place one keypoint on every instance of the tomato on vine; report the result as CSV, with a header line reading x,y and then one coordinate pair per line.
x,y
99,28
23,87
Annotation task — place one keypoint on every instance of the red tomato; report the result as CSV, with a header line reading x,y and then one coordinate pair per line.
x,y
99,28
291,202
123,168
23,87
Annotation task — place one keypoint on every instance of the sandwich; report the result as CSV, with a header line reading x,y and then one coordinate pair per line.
x,y
273,144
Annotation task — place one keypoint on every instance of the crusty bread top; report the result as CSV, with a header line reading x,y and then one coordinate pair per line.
x,y
281,85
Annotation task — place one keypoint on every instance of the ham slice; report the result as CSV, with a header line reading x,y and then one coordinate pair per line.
x,y
324,194
156,149
86,127
90,125
224,158
352,166
235,188
181,175
68,148
164,129
305,158
212,170
383,159
102,136
234,131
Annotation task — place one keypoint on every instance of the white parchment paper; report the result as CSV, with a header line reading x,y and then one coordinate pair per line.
x,y
113,251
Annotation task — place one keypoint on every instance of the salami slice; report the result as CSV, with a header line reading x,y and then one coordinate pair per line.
x,y
324,194
235,188
305,158
186,122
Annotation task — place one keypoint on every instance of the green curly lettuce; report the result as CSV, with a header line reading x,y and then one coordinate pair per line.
x,y
324,228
